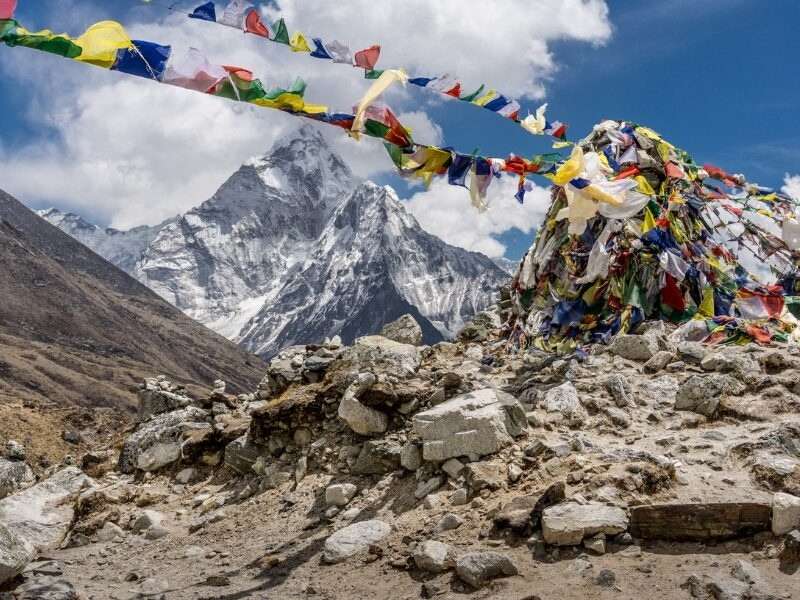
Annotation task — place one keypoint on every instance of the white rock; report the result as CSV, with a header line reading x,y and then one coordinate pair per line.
x,y
434,557
361,419
476,568
477,423
340,494
785,513
109,531
353,539
146,520
15,554
185,476
564,400
568,523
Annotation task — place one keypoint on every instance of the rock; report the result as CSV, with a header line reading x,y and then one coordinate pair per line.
x,y
596,544
241,454
692,353
459,497
376,353
606,578
378,457
159,441
523,513
353,539
15,553
15,450
186,476
155,400
434,557
635,347
702,393
340,494
569,523
514,473
109,531
15,475
700,522
156,532
477,568
620,390
38,518
453,468
659,361
427,487
449,522
46,588
791,548
785,513
361,419
405,330
482,475
146,520
411,457
476,423
564,400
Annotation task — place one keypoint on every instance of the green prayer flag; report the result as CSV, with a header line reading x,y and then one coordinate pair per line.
x,y
473,95
281,33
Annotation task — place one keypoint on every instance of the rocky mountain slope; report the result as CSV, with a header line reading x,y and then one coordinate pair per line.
x,y
76,331
656,467
294,248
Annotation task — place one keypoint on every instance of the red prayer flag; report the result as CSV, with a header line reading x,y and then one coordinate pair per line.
x,y
367,58
253,24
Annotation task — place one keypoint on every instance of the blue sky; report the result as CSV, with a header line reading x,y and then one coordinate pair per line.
x,y
718,78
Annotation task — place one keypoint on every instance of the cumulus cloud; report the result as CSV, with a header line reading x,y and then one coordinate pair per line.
x,y
444,211
128,151
792,186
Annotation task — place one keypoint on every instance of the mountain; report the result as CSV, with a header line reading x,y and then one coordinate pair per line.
x,y
122,248
294,248
77,330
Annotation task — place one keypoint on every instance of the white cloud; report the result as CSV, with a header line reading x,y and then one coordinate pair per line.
x,y
445,211
792,186
127,151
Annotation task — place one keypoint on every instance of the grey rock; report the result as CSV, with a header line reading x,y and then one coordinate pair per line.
x,y
159,441
453,467
411,457
434,557
564,400
569,523
147,519
481,475
659,361
186,476
620,389
241,454
353,539
596,544
15,450
477,568
15,553
791,548
405,330
155,400
692,352
477,423
635,347
427,487
448,522
378,457
15,475
379,354
109,531
46,588
340,494
703,393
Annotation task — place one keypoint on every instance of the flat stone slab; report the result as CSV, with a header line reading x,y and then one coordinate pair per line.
x,y
700,522
569,523
353,539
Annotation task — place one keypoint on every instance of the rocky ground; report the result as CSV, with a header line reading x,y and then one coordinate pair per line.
x,y
653,467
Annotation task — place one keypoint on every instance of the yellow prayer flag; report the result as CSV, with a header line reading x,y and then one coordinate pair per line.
x,y
486,98
100,43
649,222
570,169
644,186
706,307
388,78
298,43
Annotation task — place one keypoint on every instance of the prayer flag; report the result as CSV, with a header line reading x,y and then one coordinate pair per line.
x,y
204,12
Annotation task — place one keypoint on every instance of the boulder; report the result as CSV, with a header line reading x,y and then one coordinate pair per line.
x,y
564,400
15,475
477,568
353,539
241,454
700,522
785,513
361,419
379,354
524,513
659,361
692,352
38,518
434,557
568,523
46,588
340,494
410,457
378,457
154,399
159,441
15,553
405,330
15,450
703,393
477,423
635,347
620,390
